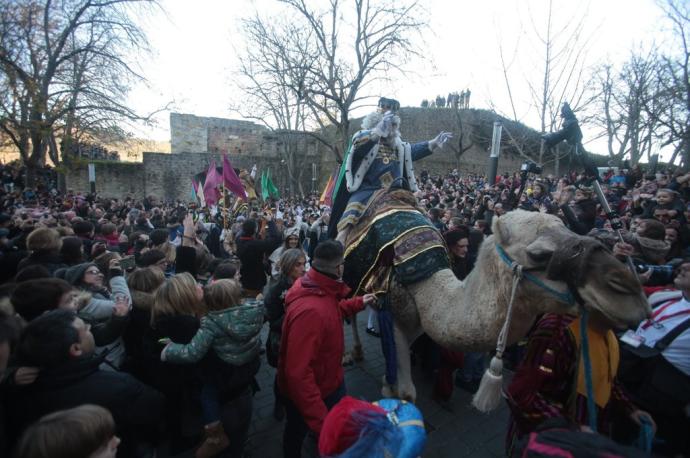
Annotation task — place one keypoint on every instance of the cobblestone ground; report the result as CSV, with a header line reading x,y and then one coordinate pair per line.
x,y
463,433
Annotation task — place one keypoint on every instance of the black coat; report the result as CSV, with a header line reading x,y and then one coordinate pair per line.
x,y
51,261
274,302
136,408
251,253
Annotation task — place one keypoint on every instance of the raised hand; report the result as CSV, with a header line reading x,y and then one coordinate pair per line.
x,y
440,140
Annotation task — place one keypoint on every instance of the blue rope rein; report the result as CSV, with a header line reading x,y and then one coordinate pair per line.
x,y
646,437
591,406
566,296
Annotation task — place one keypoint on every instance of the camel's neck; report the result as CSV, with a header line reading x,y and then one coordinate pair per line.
x,y
469,314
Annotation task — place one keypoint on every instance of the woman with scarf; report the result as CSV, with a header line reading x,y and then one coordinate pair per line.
x,y
291,266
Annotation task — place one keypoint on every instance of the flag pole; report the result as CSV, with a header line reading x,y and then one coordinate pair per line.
x,y
225,206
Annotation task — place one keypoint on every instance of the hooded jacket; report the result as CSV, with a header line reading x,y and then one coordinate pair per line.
x,y
233,333
312,343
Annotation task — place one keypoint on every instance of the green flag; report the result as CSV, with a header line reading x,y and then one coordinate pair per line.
x,y
264,186
272,190
341,175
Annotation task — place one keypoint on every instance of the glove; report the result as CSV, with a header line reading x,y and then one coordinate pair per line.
x,y
440,140
385,126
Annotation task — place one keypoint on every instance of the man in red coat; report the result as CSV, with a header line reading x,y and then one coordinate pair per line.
x,y
310,373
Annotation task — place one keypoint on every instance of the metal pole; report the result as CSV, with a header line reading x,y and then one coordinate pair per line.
x,y
92,177
495,152
610,214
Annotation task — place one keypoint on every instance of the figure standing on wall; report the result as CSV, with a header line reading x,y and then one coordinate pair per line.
x,y
467,98
425,103
449,99
462,99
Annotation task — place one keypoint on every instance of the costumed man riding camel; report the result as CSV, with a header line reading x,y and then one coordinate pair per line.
x,y
378,158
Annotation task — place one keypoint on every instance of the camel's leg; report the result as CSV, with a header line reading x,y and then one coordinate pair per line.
x,y
405,389
357,352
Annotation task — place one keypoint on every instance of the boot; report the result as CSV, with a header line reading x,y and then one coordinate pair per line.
x,y
216,441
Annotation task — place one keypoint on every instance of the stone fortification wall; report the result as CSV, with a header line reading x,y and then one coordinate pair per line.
x,y
169,176
113,179
195,140
197,134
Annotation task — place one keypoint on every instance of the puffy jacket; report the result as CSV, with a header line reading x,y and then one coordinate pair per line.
x,y
233,333
312,343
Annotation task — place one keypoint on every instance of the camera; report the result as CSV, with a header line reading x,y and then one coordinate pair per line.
x,y
530,167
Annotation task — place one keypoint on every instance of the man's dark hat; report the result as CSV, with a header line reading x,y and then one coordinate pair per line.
x,y
389,104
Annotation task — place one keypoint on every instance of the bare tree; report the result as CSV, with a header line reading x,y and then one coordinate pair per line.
x,y
674,80
63,66
341,51
270,76
629,106
554,71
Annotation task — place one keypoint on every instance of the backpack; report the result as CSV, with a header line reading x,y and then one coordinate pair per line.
x,y
558,438
653,383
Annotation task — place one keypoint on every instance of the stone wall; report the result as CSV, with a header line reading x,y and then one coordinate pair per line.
x,y
198,134
195,140
113,179
169,176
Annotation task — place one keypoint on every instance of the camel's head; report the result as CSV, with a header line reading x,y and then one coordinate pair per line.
x,y
563,260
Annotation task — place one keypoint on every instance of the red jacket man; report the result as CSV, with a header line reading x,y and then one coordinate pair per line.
x,y
310,372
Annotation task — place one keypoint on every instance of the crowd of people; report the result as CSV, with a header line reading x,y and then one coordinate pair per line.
x,y
127,323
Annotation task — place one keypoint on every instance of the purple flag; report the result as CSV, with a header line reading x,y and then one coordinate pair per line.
x,y
213,179
231,180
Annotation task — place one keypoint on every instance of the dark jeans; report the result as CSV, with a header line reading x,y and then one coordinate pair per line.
x,y
474,366
236,416
296,429
210,403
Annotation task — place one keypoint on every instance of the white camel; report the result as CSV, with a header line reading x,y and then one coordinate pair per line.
x,y
468,315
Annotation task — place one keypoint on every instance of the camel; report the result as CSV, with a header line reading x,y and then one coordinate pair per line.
x,y
468,315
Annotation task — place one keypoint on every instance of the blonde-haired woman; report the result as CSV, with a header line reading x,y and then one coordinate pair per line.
x,y
229,336
140,339
178,304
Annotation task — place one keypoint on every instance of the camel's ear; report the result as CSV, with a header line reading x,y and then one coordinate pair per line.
x,y
501,231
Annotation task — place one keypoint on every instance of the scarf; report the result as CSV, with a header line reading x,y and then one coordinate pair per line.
x,y
604,356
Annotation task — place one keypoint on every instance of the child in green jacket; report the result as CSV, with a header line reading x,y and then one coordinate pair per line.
x,y
232,329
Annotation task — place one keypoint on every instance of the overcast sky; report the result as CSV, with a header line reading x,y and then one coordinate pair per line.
x,y
195,43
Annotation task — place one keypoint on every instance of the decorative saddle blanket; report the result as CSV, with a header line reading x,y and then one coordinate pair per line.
x,y
393,237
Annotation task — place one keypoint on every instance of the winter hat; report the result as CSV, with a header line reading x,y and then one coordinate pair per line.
x,y
389,427
73,275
